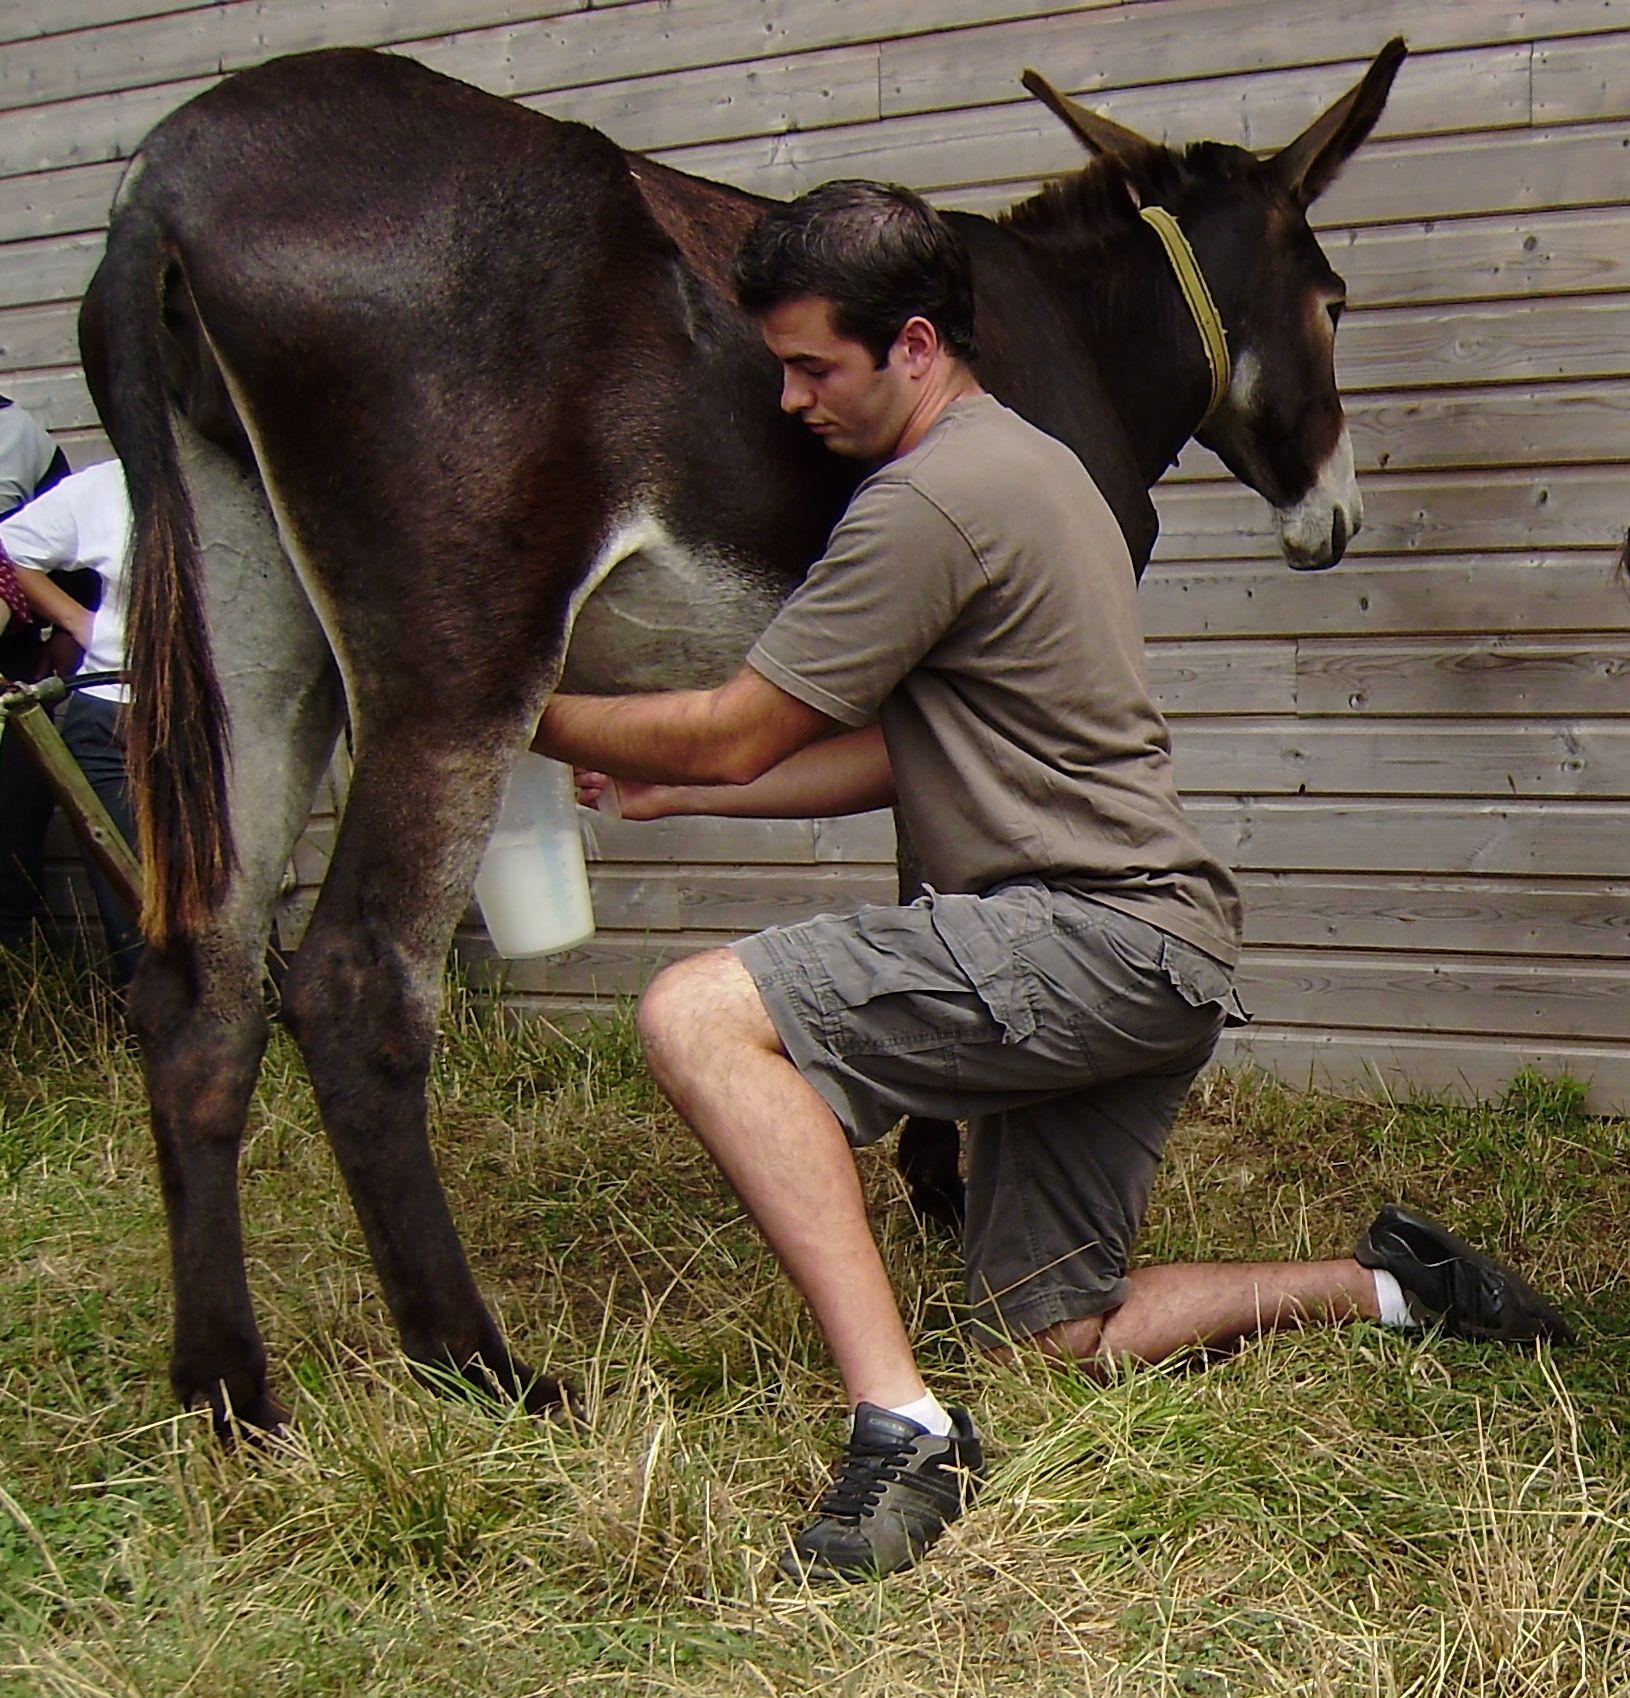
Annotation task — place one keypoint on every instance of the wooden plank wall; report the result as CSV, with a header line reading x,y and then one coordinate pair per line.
x,y
1419,762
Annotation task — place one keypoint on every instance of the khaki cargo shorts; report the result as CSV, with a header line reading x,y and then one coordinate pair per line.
x,y
1066,1033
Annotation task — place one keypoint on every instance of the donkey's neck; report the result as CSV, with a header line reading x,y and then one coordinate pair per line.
x,y
1112,280
1130,312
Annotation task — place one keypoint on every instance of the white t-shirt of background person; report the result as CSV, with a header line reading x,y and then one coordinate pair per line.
x,y
83,521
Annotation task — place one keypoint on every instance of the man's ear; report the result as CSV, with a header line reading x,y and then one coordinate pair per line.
x,y
919,341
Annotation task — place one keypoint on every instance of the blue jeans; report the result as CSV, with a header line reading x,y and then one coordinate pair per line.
x,y
90,728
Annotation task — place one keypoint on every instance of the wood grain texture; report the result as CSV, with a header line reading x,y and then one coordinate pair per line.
x,y
1420,761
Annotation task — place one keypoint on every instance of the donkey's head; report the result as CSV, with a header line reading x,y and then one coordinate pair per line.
x,y
1275,417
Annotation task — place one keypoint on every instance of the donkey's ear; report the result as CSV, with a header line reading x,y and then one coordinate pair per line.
x,y
1101,135
1309,165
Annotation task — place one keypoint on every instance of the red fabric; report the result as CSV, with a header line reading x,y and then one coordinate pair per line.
x,y
11,592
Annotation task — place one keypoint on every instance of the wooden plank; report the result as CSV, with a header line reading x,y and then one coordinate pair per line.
x,y
84,447
1535,252
1515,675
1516,171
1585,917
54,270
1222,678
674,107
57,203
23,23
1503,917
31,337
714,102
657,38
84,132
1549,424
1142,43
575,44
1261,108
1508,171
1440,993
57,398
1397,1065
1490,341
861,837
608,964
1487,757
1476,594
1417,834
568,42
741,842
733,900
1413,513
177,45
1582,79
1489,425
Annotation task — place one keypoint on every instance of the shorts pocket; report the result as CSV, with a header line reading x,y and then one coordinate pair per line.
x,y
1201,980
893,952
983,935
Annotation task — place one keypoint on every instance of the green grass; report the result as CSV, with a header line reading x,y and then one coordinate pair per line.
x,y
1348,1512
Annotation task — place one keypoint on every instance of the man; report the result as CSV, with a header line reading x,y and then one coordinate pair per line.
x,y
969,643
83,524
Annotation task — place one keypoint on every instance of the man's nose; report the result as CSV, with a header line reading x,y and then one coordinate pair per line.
x,y
795,393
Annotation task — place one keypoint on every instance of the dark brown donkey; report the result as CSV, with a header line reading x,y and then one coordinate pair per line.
x,y
414,388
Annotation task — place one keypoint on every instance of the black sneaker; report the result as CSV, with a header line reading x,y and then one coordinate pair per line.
x,y
1450,1284
897,1489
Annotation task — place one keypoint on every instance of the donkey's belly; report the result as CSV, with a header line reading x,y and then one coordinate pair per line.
x,y
658,616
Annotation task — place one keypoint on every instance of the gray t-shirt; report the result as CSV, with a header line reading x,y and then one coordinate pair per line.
x,y
977,598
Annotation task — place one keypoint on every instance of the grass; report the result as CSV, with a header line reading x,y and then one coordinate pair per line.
x,y
1341,1513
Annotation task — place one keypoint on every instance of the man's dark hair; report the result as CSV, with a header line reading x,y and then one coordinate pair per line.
x,y
877,253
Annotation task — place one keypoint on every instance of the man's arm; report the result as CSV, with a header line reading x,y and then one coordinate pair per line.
x,y
731,735
848,774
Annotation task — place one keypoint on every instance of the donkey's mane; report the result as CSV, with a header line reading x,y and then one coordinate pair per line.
x,y
1089,206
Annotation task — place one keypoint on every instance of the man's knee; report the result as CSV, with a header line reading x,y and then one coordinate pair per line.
x,y
1080,1341
698,1008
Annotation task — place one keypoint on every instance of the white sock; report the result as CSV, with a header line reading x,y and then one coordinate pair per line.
x,y
927,1412
1395,1310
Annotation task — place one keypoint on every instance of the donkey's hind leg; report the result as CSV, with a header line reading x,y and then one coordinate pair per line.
x,y
364,994
197,1003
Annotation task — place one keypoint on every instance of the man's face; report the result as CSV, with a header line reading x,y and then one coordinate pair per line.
x,y
833,385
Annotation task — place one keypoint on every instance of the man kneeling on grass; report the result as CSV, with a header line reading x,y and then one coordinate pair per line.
x,y
969,646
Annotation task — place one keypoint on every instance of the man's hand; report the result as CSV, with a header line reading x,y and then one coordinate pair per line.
x,y
625,798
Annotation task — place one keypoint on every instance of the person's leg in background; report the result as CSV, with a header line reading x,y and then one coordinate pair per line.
x,y
92,732
25,813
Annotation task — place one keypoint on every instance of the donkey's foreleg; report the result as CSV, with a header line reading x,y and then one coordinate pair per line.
x,y
363,998
196,1004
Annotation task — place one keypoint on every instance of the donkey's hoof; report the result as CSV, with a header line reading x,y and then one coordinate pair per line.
x,y
555,1400
942,1205
256,1421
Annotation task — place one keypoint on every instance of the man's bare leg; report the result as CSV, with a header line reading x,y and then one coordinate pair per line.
x,y
1215,1305
715,1053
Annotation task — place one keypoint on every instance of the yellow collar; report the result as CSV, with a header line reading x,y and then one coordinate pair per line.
x,y
1191,280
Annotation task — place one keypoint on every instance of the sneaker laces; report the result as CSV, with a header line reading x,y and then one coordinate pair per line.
x,y
862,1476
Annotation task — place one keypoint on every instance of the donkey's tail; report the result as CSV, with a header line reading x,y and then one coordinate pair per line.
x,y
177,743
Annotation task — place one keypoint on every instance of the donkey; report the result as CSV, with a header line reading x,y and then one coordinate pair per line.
x,y
430,404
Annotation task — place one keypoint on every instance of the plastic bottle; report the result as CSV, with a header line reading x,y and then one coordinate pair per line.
x,y
533,886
